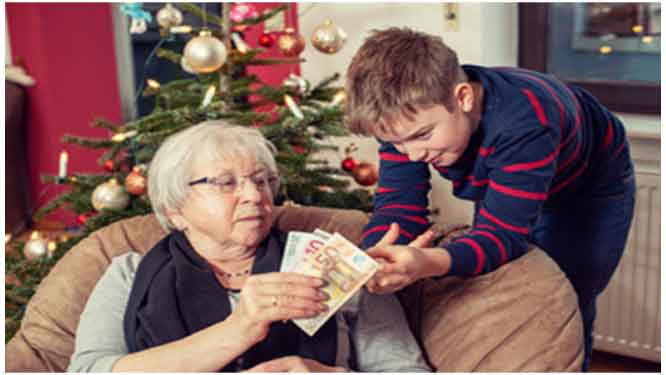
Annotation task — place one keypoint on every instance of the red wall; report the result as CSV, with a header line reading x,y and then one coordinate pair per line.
x,y
69,50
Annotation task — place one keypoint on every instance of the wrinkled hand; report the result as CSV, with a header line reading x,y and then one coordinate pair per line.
x,y
400,265
294,364
277,296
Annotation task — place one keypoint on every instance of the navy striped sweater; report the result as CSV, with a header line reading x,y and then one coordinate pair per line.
x,y
539,142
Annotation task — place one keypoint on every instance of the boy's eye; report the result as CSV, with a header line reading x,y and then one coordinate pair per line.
x,y
424,136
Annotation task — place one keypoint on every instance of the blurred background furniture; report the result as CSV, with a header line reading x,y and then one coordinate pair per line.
x,y
17,204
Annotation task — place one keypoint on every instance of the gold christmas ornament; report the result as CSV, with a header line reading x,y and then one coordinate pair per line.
x,y
329,38
110,195
36,247
205,53
169,16
136,182
290,43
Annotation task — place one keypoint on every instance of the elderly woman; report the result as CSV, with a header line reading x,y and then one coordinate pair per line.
x,y
209,296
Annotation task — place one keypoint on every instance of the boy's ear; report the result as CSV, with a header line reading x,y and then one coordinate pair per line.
x,y
464,95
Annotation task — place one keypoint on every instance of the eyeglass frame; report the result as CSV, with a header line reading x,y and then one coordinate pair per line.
x,y
271,180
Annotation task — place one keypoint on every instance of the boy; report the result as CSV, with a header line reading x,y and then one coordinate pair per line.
x,y
544,162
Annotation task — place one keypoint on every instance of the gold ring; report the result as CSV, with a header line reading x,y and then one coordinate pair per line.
x,y
275,301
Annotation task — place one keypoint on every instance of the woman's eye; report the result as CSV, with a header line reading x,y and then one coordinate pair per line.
x,y
227,182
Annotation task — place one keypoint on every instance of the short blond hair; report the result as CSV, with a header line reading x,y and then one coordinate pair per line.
x,y
170,171
395,72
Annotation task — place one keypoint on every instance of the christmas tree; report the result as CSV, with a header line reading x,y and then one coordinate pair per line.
x,y
297,117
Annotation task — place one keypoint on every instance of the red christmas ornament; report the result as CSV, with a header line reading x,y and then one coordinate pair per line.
x,y
266,40
365,174
109,165
298,149
81,219
348,164
135,183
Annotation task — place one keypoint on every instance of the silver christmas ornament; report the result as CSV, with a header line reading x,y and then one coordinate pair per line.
x,y
169,16
110,195
205,53
328,38
35,248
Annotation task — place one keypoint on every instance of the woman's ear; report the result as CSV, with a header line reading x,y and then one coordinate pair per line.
x,y
177,221
464,95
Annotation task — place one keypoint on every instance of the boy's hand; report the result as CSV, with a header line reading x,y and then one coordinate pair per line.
x,y
401,265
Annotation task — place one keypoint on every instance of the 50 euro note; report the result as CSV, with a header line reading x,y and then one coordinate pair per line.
x,y
299,246
345,268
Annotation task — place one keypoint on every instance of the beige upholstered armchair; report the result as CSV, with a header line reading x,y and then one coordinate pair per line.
x,y
522,317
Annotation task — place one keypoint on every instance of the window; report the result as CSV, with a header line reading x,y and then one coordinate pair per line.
x,y
610,49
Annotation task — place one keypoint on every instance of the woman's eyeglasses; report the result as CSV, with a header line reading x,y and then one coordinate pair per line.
x,y
230,183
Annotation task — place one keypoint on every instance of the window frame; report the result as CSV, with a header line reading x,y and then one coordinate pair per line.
x,y
624,96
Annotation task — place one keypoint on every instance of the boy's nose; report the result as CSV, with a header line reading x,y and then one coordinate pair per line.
x,y
416,154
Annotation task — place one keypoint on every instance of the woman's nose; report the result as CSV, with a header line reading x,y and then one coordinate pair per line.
x,y
249,191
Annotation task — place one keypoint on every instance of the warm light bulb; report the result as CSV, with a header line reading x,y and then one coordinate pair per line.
x,y
153,84
210,93
51,246
338,98
8,238
241,46
62,166
293,107
182,29
637,28
605,50
34,235
119,137
647,39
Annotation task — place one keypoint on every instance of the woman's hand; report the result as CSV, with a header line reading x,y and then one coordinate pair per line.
x,y
402,265
294,364
277,296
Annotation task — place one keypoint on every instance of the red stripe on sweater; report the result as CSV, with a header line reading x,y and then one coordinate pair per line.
x,y
385,228
480,256
410,207
502,224
570,160
393,157
382,189
553,94
497,242
486,151
533,164
518,193
566,182
537,106
609,136
485,226
472,180
617,152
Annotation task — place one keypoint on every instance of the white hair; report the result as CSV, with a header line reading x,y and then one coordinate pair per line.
x,y
171,168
